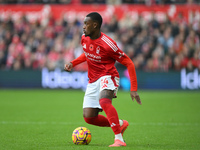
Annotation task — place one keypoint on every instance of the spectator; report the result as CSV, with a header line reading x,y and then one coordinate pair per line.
x,y
166,40
192,41
195,60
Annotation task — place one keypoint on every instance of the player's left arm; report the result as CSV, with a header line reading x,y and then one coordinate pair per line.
x,y
126,61
122,58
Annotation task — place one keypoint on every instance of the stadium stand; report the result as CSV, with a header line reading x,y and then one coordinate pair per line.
x,y
152,45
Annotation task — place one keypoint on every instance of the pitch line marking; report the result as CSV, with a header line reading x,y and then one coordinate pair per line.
x,y
71,123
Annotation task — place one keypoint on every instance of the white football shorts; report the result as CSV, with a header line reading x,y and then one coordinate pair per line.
x,y
92,93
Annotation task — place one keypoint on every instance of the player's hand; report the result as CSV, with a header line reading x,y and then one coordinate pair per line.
x,y
68,67
134,95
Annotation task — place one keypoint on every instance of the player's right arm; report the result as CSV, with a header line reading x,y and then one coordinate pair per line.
x,y
78,60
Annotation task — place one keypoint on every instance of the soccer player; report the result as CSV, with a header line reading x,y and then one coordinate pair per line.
x,y
101,53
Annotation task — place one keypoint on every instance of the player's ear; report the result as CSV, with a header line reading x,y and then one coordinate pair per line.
x,y
95,25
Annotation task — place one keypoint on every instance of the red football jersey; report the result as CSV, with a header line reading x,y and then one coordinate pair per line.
x,y
101,55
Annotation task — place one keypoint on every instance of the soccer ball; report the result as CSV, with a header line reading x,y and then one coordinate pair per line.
x,y
81,136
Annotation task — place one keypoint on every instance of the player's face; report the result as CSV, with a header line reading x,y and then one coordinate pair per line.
x,y
89,26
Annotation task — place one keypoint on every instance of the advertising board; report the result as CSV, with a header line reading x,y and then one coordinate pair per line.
x,y
59,79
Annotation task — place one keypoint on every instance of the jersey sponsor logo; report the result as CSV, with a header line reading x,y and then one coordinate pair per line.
x,y
93,57
84,45
110,43
91,47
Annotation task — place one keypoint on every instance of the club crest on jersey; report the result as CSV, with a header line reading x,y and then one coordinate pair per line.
x,y
98,50
91,48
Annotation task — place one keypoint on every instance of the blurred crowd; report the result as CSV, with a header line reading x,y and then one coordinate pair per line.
x,y
159,46
152,45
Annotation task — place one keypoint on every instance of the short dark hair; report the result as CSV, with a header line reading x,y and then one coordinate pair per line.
x,y
96,17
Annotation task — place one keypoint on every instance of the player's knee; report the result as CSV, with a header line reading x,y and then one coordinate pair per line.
x,y
85,114
89,120
90,112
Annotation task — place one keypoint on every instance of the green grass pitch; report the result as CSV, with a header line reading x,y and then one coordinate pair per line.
x,y
45,119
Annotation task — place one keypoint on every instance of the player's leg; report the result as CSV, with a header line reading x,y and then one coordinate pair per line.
x,y
112,115
108,87
91,106
92,116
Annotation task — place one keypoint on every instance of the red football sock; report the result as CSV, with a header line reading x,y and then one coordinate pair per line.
x,y
99,120
111,114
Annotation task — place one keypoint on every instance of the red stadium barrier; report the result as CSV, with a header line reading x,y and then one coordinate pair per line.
x,y
39,12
